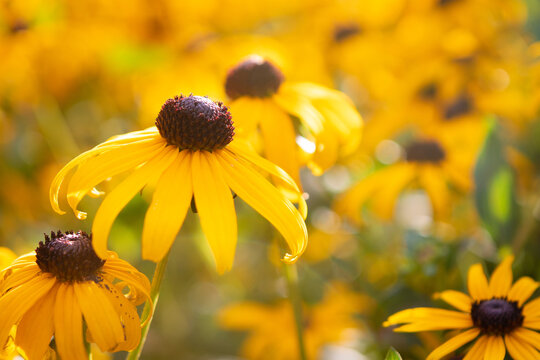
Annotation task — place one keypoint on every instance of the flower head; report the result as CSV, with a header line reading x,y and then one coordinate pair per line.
x,y
52,291
495,313
264,102
191,154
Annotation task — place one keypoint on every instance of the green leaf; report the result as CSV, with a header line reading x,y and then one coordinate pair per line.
x,y
495,193
392,355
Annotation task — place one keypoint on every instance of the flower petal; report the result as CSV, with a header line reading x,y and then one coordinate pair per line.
x,y
477,282
495,349
422,319
168,209
520,350
294,103
522,290
434,182
216,208
501,279
385,200
268,201
453,344
36,328
137,281
68,326
528,336
457,299
478,350
99,314
122,194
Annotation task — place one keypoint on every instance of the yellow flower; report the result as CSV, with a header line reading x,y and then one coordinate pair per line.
x,y
263,101
191,154
437,164
494,313
48,292
272,327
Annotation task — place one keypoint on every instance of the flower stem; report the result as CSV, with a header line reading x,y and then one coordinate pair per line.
x,y
149,308
291,274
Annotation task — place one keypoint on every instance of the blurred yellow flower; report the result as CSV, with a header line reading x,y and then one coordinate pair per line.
x,y
192,155
439,164
272,327
49,291
494,313
263,101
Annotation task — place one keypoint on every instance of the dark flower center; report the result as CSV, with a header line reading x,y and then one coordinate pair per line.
x,y
428,91
445,2
345,31
460,106
69,257
253,77
425,151
496,316
195,123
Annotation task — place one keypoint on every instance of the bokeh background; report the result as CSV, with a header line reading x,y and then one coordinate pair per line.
x,y
463,72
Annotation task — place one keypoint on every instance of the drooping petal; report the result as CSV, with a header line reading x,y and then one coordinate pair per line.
x,y
19,277
457,299
168,209
495,349
501,279
384,201
478,350
126,313
522,290
435,185
528,336
477,283
422,319
215,206
453,344
520,350
36,327
15,303
300,106
280,140
99,314
122,194
68,329
108,164
257,192
137,281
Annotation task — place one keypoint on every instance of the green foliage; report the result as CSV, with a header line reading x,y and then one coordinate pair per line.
x,y
392,354
495,193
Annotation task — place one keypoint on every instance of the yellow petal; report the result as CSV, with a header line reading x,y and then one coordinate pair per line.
x,y
257,192
457,299
122,194
108,164
300,106
478,350
528,336
532,309
280,140
520,350
434,183
422,319
495,349
454,343
20,277
126,313
533,323
137,281
16,302
215,206
99,314
246,113
477,282
36,328
522,290
242,316
68,324
398,179
168,209
501,279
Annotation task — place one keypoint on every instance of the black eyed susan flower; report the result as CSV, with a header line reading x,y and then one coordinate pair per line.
x,y
192,155
60,286
263,100
495,315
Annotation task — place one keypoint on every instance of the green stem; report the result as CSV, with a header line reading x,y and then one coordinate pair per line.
x,y
291,274
150,308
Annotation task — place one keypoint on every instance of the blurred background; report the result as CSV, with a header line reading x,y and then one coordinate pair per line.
x,y
386,230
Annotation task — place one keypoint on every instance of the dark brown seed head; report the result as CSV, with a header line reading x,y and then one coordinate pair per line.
x,y
69,257
254,77
425,151
345,31
195,123
496,316
460,106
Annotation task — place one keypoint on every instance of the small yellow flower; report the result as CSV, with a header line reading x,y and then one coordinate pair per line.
x,y
52,291
263,101
192,155
494,313
272,327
